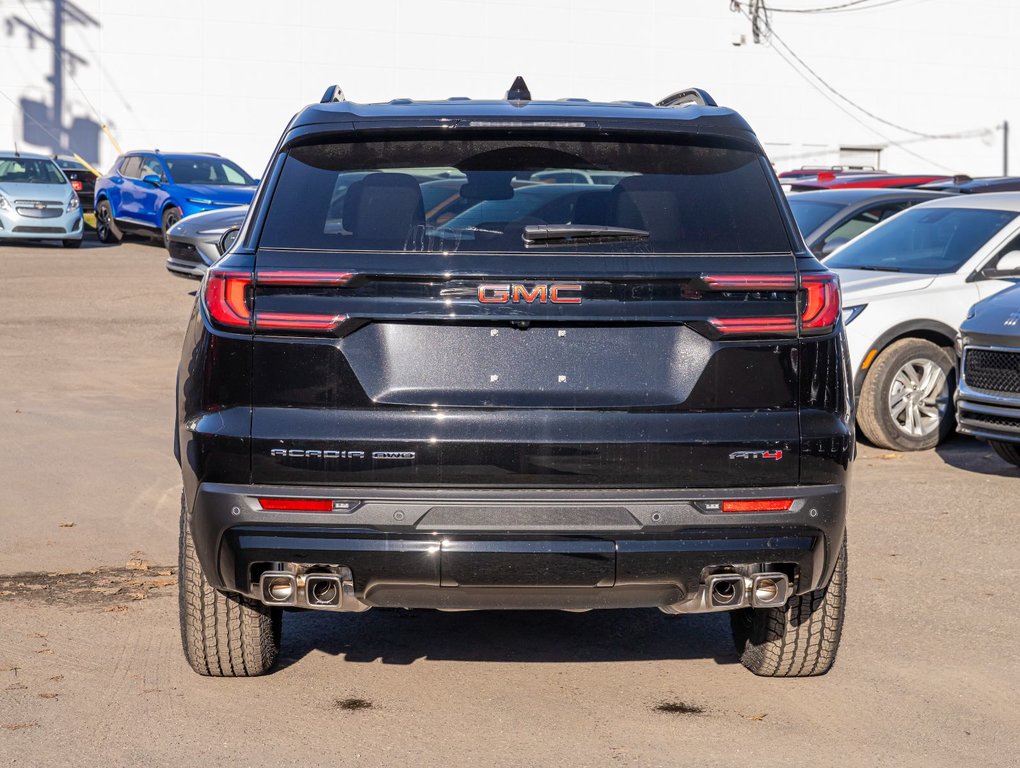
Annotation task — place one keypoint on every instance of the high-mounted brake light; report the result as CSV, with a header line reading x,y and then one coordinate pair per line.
x,y
821,303
296,505
758,505
226,298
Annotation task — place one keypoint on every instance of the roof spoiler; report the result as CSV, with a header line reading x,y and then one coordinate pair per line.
x,y
688,96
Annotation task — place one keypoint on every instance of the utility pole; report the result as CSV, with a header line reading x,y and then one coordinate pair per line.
x,y
1005,147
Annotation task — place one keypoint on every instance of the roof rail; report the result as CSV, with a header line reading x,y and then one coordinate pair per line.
x,y
688,96
332,95
518,91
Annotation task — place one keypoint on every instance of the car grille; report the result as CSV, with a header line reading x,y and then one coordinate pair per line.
x,y
184,252
38,209
40,230
992,370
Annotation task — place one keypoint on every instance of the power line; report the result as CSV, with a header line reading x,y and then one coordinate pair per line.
x,y
855,5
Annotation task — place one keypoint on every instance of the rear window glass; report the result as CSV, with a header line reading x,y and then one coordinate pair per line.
x,y
524,195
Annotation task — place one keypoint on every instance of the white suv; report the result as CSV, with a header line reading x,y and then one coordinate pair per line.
x,y
907,285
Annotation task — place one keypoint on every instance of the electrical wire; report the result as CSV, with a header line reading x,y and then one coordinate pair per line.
x,y
854,5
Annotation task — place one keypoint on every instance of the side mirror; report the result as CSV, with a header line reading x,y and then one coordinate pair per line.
x,y
152,179
833,244
227,239
1007,266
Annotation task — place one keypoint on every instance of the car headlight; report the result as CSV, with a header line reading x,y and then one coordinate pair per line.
x,y
73,204
200,201
849,313
4,205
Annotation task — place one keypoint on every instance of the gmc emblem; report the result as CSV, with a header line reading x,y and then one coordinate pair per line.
x,y
554,293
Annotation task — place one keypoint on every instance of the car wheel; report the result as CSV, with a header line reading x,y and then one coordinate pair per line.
x,y
71,243
170,217
906,400
106,229
1007,451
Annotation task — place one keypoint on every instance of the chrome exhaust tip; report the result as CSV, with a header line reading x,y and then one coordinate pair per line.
x,y
323,591
769,590
725,590
278,588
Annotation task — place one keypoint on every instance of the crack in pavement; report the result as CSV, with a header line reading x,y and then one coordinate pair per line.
x,y
99,586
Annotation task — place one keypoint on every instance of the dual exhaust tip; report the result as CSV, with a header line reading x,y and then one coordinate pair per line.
x,y
726,591
319,590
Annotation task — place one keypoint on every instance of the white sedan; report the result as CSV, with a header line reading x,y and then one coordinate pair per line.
x,y
907,286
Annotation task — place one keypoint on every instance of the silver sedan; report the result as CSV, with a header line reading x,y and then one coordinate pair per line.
x,y
196,242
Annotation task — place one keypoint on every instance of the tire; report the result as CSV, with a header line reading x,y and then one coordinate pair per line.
x,y
798,640
1007,451
171,216
906,401
71,243
106,228
223,634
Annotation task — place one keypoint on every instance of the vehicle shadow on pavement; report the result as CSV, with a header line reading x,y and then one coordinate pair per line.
x,y
396,636
974,456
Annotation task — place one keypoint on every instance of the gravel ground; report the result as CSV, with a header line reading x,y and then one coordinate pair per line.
x,y
91,671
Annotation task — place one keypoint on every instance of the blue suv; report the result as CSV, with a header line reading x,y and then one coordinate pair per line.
x,y
148,192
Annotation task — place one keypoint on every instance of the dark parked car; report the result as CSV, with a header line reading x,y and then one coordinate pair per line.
x,y
965,185
148,192
625,395
988,398
833,217
83,181
198,242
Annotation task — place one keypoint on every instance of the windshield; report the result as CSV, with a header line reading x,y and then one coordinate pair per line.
x,y
207,170
24,170
811,214
928,241
467,194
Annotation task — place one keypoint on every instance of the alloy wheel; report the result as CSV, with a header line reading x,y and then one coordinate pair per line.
x,y
919,397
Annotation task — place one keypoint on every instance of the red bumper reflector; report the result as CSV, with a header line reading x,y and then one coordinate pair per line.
x,y
297,505
285,321
758,505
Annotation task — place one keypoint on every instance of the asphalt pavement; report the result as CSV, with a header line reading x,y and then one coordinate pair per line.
x,y
91,671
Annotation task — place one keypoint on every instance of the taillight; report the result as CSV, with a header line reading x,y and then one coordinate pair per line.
x,y
288,321
821,303
227,295
76,186
302,277
757,505
752,326
747,325
750,282
296,505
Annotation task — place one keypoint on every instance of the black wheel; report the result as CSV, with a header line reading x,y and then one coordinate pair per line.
x,y
170,217
223,634
798,640
71,243
906,401
1007,451
106,229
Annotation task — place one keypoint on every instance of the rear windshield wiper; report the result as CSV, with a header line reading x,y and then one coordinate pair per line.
x,y
556,234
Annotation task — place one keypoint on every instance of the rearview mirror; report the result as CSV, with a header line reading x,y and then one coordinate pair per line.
x,y
227,239
152,179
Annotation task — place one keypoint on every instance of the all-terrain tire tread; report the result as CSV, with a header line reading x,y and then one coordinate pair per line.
x,y
223,634
798,640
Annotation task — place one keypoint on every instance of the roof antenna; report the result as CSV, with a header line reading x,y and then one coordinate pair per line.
x,y
17,152
518,91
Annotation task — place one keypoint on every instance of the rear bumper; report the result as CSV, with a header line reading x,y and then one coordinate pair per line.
x,y
418,548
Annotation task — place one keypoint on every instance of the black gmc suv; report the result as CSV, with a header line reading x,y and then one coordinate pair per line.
x,y
516,354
